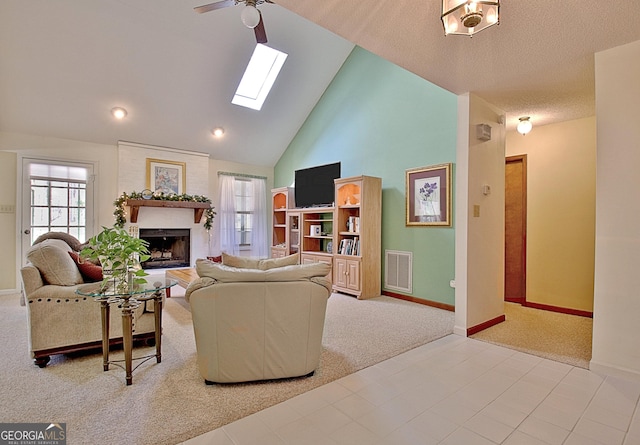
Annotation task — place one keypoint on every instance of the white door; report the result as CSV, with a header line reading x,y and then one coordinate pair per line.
x,y
56,196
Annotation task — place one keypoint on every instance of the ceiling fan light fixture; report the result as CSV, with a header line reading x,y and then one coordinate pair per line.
x,y
468,17
524,126
250,16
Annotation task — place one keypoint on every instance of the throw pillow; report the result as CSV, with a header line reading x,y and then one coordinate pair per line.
x,y
89,271
239,261
272,263
54,264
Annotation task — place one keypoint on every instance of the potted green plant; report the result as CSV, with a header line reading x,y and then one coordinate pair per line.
x,y
120,255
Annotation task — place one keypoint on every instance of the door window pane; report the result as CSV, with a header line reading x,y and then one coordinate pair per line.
x,y
37,231
39,216
59,217
39,196
59,196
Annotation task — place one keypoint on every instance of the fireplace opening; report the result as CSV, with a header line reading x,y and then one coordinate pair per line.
x,y
168,248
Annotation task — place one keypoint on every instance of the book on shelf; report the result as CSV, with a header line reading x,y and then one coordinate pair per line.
x,y
349,247
353,224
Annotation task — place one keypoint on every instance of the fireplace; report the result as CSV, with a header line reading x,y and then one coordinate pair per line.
x,y
168,248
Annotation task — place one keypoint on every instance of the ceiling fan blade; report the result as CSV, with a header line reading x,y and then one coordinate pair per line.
x,y
261,34
214,6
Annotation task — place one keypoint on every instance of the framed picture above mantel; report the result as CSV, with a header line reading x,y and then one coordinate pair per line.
x,y
428,196
166,176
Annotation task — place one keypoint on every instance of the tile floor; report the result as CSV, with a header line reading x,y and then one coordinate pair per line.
x,y
453,391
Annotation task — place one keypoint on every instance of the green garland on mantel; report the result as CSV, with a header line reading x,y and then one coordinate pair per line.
x,y
161,196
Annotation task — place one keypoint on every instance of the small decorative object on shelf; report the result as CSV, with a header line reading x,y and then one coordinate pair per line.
x,y
147,194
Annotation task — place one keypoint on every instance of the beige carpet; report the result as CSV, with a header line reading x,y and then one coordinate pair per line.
x,y
168,402
560,337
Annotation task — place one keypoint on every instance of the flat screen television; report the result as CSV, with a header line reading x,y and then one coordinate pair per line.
x,y
314,186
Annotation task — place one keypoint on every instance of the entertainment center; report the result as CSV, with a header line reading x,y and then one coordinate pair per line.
x,y
345,234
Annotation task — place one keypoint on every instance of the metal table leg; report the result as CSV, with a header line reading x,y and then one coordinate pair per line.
x,y
104,315
127,338
157,312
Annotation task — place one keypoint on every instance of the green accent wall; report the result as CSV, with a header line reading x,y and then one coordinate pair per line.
x,y
378,119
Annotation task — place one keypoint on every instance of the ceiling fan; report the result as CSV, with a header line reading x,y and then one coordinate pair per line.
x,y
251,16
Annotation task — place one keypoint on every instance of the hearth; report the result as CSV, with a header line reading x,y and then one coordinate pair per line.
x,y
169,248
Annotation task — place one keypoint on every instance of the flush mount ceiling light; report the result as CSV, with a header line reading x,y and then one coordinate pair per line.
x,y
524,126
119,113
468,17
217,132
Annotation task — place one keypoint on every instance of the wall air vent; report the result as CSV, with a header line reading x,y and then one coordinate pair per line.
x,y
398,270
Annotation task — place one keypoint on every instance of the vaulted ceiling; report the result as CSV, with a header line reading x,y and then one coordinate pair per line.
x,y
65,63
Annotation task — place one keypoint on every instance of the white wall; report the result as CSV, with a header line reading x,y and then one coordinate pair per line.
x,y
132,176
8,234
479,239
461,215
616,323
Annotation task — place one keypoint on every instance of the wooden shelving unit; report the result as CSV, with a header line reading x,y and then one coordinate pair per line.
x,y
357,255
317,246
282,200
293,232
317,230
347,236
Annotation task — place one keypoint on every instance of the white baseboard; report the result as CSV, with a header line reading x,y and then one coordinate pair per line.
x,y
9,291
460,331
607,369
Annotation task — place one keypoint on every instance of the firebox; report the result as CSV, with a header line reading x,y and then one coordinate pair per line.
x,y
168,248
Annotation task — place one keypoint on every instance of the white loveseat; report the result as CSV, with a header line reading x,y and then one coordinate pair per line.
x,y
253,324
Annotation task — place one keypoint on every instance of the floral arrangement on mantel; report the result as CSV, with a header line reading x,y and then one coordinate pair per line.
x,y
161,196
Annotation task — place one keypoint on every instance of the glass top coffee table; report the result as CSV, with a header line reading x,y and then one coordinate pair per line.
x,y
152,290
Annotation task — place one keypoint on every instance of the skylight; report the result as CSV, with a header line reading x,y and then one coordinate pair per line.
x,y
258,78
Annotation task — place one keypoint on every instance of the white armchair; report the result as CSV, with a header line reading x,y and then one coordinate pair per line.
x,y
252,324
60,321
